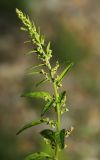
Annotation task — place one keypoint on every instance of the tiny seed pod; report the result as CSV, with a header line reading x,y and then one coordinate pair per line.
x,y
66,109
46,141
52,125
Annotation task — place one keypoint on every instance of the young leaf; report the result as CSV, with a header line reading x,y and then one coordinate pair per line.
x,y
34,67
37,36
38,156
29,125
62,96
42,40
47,107
59,79
30,52
43,95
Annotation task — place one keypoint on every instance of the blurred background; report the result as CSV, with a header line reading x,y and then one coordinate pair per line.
x,y
73,27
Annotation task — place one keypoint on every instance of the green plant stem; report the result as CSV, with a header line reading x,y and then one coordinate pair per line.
x,y
57,107
58,120
56,156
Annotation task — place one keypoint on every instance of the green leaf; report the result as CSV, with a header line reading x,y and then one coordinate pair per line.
x,y
54,137
43,95
38,156
34,67
65,71
29,125
50,135
30,52
43,81
37,37
47,107
62,96
60,138
47,133
42,40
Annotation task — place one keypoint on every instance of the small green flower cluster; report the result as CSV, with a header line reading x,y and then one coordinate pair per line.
x,y
44,53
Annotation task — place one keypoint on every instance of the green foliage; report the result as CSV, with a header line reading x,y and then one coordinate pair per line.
x,y
43,95
61,76
62,97
41,82
50,136
31,124
56,137
47,107
60,137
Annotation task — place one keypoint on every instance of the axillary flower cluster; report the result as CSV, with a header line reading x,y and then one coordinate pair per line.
x,y
55,136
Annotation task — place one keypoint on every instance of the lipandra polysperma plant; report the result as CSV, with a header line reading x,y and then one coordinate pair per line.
x,y
55,136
